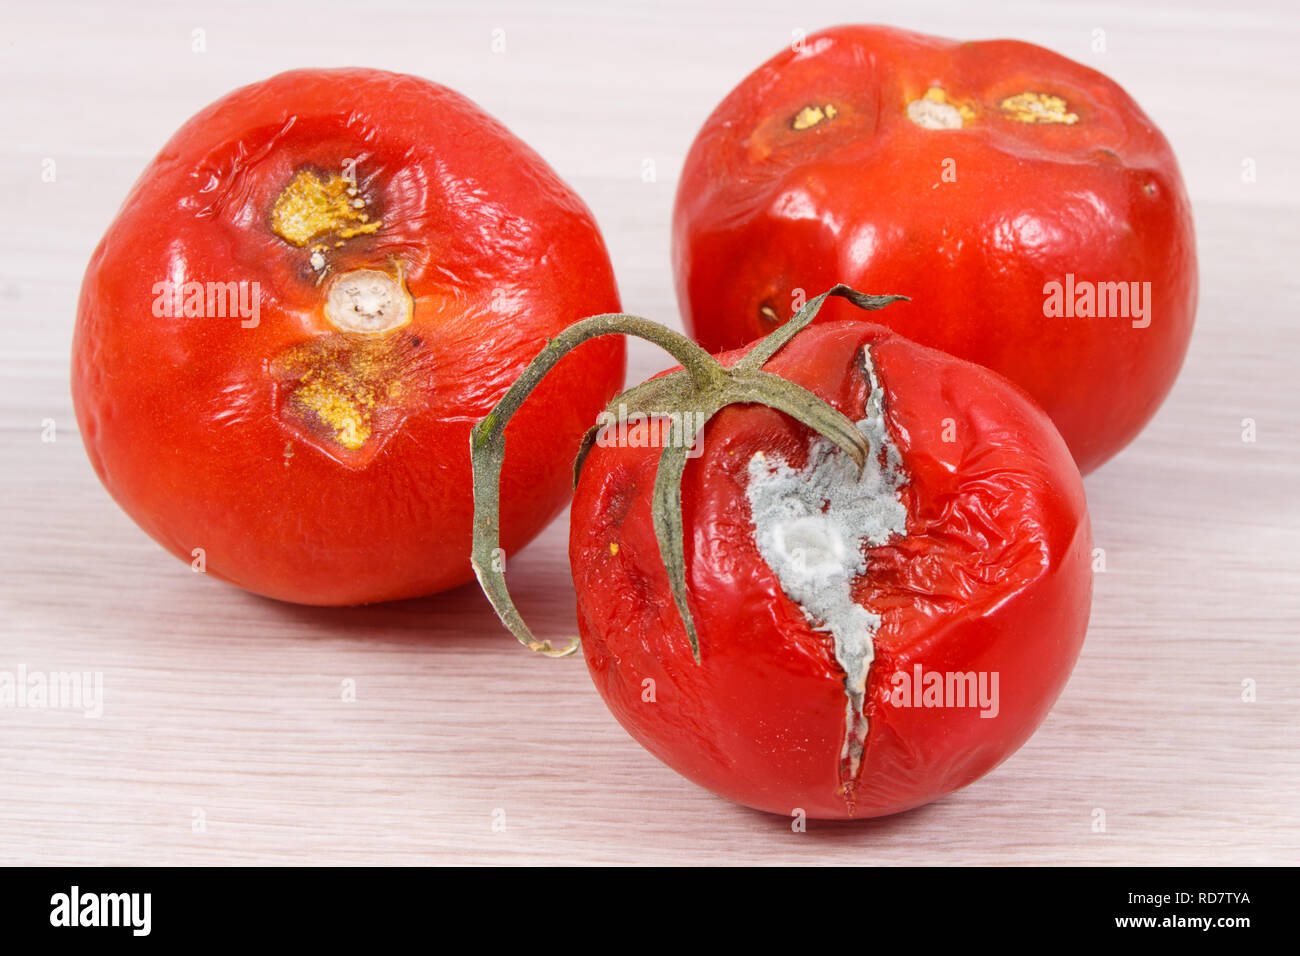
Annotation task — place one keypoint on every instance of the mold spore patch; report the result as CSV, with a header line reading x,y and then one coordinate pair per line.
x,y
812,527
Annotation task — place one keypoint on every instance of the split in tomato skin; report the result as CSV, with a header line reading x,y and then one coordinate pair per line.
x,y
401,257
992,576
970,177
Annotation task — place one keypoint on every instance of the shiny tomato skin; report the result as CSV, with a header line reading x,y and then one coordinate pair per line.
x,y
196,423
971,223
993,575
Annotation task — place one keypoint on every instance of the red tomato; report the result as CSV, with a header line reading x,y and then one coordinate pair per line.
x,y
827,604
1030,209
306,302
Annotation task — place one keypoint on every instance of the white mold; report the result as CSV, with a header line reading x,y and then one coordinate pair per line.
x,y
813,525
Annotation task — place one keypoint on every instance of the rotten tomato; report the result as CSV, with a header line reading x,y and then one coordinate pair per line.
x,y
307,300
835,572
1030,209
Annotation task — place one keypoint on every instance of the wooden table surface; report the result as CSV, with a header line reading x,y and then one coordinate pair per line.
x,y
224,736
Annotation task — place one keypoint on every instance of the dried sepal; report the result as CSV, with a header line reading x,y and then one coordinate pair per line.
x,y
703,386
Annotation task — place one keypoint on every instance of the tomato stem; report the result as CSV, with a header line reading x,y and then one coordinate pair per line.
x,y
703,386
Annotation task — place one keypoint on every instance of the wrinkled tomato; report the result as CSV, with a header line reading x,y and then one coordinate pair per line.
x,y
1030,209
868,641
307,300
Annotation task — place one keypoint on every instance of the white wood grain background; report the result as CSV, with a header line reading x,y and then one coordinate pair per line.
x,y
226,707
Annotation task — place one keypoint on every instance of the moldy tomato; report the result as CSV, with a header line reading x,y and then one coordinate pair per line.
x,y
1033,213
307,300
849,639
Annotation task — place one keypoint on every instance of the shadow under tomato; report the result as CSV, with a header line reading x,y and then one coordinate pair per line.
x,y
544,596
835,830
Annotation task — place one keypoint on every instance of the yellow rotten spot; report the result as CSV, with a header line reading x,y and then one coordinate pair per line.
x,y
1029,107
336,386
810,116
337,406
936,110
311,207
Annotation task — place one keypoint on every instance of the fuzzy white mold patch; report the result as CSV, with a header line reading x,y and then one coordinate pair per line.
x,y
813,525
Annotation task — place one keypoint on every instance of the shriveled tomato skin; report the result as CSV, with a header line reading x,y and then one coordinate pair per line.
x,y
993,576
195,423
972,223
